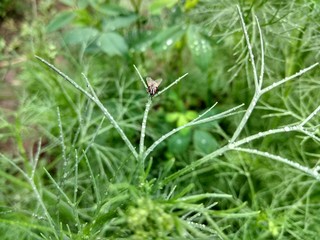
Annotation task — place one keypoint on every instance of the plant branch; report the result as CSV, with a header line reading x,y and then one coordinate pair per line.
x,y
205,112
310,134
311,115
235,145
224,114
36,159
141,78
189,124
97,102
296,165
36,192
175,82
262,54
258,83
276,84
111,119
258,91
255,73
143,126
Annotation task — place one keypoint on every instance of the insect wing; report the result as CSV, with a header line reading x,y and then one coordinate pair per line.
x,y
157,82
150,81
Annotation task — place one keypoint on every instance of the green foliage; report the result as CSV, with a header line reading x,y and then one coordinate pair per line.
x,y
113,44
149,220
204,142
10,8
200,48
61,20
158,5
82,181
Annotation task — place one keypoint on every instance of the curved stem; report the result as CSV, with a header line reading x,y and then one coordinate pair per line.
x,y
95,99
143,126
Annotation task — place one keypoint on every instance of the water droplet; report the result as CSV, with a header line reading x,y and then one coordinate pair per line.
x,y
169,42
203,141
286,128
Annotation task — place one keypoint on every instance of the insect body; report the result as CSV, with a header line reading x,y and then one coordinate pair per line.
x,y
153,85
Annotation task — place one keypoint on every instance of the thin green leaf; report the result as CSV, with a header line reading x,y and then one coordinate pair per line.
x,y
113,44
60,21
158,5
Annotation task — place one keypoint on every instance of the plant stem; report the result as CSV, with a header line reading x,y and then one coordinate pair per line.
x,y
189,124
97,102
175,82
296,165
143,126
244,29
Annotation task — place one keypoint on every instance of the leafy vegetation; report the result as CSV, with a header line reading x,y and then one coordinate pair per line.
x,y
228,148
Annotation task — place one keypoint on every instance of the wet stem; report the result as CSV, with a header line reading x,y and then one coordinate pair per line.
x,y
259,91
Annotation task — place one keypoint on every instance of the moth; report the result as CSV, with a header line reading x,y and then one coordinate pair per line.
x,y
153,85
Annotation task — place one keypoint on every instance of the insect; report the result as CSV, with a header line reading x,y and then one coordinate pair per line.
x,y
153,85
